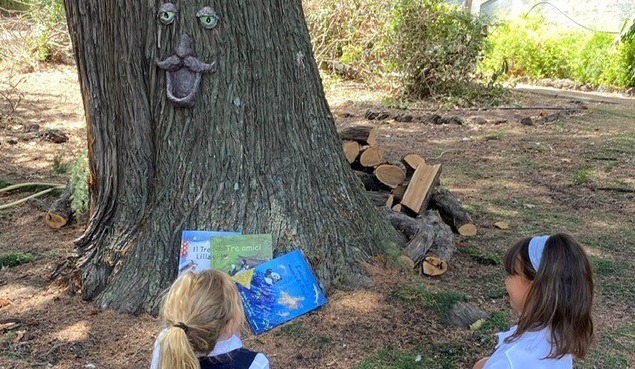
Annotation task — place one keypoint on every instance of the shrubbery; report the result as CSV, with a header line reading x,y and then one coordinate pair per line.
x,y
34,31
531,47
421,47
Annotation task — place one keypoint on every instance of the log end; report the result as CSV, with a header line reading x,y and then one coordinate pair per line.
x,y
55,221
468,229
433,266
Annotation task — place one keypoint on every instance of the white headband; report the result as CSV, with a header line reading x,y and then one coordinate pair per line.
x,y
536,247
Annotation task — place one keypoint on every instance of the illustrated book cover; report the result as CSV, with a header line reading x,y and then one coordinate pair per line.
x,y
279,290
239,253
194,255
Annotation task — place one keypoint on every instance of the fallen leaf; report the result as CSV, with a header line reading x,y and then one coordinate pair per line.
x,y
4,302
501,225
477,324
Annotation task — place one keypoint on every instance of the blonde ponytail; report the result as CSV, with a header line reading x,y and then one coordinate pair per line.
x,y
197,310
176,351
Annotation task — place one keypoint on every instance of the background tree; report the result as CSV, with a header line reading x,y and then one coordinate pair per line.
x,y
253,147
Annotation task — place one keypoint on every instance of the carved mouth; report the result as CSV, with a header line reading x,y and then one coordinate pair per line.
x,y
182,86
184,78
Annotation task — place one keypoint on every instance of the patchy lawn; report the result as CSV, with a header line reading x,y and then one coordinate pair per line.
x,y
573,172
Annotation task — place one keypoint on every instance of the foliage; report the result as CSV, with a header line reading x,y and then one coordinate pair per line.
x,y
528,46
351,32
417,47
13,259
59,166
435,45
78,176
35,33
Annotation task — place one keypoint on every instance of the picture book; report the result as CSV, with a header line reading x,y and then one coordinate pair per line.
x,y
279,290
194,255
239,253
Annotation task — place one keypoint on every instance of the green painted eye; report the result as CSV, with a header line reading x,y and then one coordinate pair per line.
x,y
167,13
207,17
167,17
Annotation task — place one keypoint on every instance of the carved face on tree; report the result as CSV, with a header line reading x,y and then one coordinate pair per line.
x,y
184,27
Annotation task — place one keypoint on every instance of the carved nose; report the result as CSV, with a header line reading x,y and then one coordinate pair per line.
x,y
185,47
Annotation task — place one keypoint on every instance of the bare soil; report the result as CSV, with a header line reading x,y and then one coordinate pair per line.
x,y
532,176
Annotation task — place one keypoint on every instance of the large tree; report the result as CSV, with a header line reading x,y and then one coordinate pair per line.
x,y
209,115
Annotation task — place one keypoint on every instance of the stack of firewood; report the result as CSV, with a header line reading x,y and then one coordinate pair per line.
x,y
427,216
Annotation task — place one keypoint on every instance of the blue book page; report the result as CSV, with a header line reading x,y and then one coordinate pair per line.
x,y
194,253
279,290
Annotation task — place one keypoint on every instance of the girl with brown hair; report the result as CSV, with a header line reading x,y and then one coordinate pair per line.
x,y
550,283
201,315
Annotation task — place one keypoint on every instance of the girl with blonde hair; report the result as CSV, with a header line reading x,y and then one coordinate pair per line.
x,y
202,313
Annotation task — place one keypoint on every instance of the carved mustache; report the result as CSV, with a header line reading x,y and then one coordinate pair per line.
x,y
174,63
183,73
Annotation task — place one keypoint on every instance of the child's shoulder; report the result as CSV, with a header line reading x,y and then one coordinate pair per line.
x,y
526,352
240,358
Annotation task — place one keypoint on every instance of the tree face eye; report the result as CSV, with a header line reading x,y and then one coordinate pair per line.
x,y
207,17
167,13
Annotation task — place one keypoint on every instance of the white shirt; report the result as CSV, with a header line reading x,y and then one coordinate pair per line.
x,y
527,352
221,347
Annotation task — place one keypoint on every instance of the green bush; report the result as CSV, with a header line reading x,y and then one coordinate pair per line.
x,y
528,46
351,32
435,45
14,259
418,47
46,40
80,197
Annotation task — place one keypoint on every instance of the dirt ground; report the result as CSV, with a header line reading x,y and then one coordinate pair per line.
x,y
569,167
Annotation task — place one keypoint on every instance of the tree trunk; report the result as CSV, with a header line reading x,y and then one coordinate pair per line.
x,y
254,149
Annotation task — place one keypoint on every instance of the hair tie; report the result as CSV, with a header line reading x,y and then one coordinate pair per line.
x,y
535,249
182,325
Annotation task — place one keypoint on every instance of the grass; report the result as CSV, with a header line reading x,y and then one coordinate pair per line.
x,y
293,329
496,322
441,302
582,176
609,351
483,257
430,356
14,259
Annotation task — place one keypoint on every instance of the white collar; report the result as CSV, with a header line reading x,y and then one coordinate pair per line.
x,y
223,347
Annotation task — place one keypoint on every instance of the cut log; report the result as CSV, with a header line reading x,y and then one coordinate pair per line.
x,y
399,191
390,175
419,190
404,224
396,208
431,242
390,201
371,183
464,315
433,266
60,211
371,157
351,150
453,213
413,160
365,135
378,198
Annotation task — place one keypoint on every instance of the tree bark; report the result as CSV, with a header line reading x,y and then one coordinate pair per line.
x,y
257,152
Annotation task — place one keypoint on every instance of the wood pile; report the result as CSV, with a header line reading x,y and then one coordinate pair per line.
x,y
408,190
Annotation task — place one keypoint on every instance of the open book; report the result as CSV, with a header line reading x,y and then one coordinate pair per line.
x,y
279,290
